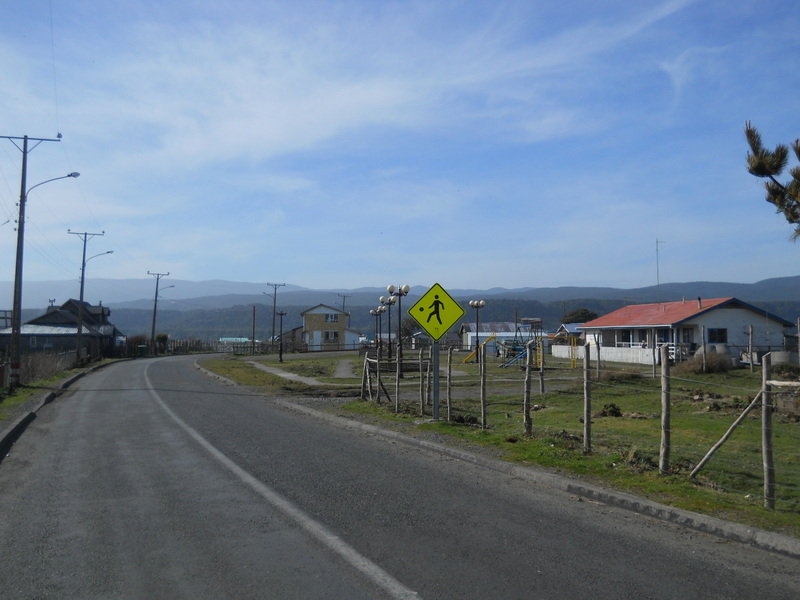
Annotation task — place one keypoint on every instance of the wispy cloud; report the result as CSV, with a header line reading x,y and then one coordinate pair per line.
x,y
328,143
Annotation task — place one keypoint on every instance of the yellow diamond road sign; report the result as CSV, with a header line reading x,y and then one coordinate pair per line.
x,y
436,312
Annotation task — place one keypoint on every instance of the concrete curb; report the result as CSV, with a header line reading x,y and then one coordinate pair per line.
x,y
11,434
765,540
758,538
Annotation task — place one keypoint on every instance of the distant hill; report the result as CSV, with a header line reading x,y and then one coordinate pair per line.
x,y
181,294
212,309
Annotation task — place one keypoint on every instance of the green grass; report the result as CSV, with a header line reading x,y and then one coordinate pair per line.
x,y
625,449
245,373
10,400
24,393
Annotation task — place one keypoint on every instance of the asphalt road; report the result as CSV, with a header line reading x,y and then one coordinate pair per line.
x,y
148,479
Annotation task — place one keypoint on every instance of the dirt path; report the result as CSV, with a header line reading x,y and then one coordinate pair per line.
x,y
345,369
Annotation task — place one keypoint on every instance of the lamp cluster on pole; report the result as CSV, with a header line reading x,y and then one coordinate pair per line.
x,y
386,304
477,305
396,294
377,313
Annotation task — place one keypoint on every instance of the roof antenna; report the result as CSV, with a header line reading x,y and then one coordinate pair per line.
x,y
658,274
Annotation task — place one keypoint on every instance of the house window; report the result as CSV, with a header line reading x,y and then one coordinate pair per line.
x,y
331,318
717,336
332,336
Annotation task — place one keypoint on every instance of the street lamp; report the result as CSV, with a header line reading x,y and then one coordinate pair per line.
x,y
375,314
386,303
477,305
275,287
379,310
16,314
398,293
158,277
79,334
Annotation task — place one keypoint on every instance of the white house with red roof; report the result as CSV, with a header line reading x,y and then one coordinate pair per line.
x,y
633,333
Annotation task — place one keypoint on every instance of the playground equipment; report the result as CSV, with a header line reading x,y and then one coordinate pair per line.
x,y
486,341
529,329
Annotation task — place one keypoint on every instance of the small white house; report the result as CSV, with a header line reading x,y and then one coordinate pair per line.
x,y
633,333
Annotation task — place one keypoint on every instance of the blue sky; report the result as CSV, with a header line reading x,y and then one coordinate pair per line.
x,y
360,143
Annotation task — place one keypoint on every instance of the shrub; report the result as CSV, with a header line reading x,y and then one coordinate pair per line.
x,y
786,371
715,363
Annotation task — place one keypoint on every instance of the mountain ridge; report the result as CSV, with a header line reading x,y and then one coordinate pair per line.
x,y
189,295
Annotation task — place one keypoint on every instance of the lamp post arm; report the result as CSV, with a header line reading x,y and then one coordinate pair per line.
x,y
67,176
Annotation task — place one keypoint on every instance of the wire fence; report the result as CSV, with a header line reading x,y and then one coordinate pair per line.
x,y
627,415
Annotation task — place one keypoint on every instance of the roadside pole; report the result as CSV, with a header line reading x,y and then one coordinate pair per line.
x,y
436,312
436,380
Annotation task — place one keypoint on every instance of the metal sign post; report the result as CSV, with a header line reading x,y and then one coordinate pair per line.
x,y
436,380
436,312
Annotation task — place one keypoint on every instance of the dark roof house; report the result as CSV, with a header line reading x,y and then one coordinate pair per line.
x,y
57,330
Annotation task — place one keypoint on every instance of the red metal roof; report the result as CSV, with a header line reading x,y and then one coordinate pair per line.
x,y
664,314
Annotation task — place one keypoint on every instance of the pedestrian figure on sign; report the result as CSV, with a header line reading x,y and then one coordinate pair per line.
x,y
435,308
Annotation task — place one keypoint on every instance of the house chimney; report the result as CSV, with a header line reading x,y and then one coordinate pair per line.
x,y
699,302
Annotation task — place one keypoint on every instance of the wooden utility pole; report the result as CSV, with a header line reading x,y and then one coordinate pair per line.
x,y
281,314
275,287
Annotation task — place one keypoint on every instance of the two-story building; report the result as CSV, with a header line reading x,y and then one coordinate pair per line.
x,y
325,328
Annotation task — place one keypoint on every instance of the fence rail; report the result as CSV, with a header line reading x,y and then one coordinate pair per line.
x,y
689,429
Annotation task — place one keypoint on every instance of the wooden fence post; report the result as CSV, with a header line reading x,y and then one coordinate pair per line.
x,y
540,346
482,369
526,398
587,399
597,340
366,384
725,437
766,432
705,353
449,379
421,382
398,376
663,459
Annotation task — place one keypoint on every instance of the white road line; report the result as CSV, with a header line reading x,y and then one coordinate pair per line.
x,y
366,567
